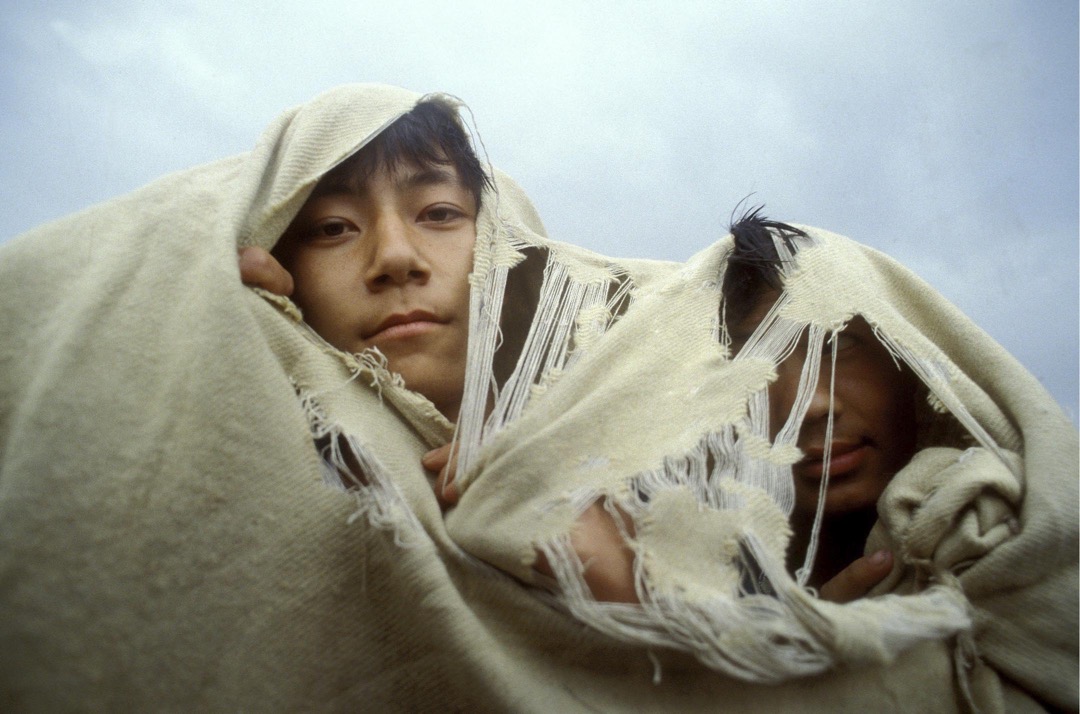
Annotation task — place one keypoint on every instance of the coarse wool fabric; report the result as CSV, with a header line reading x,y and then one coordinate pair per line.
x,y
174,535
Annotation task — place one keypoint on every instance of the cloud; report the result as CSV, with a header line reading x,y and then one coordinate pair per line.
x,y
943,134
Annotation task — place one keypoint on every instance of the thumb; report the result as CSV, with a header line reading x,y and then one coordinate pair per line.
x,y
439,460
859,578
260,269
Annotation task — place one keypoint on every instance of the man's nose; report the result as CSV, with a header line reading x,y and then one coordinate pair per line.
x,y
394,257
821,400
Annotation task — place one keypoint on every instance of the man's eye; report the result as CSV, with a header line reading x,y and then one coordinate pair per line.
x,y
440,214
334,228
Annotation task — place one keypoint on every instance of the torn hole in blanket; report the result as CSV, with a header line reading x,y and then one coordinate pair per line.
x,y
546,318
729,603
692,518
350,466
341,465
534,287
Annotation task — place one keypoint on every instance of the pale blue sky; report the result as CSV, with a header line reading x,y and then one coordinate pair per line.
x,y
944,134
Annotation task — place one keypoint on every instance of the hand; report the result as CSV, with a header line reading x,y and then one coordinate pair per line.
x,y
859,578
259,269
438,460
608,560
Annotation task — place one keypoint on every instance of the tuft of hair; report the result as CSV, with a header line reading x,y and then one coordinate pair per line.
x,y
431,134
754,264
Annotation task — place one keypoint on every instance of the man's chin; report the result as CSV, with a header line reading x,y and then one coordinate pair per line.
x,y
840,499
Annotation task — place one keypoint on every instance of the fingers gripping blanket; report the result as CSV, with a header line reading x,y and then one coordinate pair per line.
x,y
205,505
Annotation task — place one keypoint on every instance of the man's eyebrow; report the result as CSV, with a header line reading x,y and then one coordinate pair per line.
x,y
336,185
427,176
404,180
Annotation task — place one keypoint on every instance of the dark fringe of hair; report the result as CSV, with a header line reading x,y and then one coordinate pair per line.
x,y
431,134
754,265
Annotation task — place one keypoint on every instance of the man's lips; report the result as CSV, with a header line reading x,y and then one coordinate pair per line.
x,y
404,325
845,458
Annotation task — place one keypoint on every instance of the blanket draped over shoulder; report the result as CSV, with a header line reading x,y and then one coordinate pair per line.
x,y
175,531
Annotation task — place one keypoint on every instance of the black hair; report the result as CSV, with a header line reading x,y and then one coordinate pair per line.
x,y
431,134
754,264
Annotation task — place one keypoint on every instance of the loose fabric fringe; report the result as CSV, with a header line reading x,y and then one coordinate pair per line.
x,y
349,465
766,629
570,315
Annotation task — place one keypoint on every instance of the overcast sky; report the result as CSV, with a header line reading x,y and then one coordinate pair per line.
x,y
943,133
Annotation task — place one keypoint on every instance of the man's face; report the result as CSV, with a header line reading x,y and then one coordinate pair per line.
x,y
386,265
874,426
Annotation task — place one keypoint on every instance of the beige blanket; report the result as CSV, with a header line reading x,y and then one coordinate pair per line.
x,y
170,538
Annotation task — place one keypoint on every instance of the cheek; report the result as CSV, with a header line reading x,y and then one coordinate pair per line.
x,y
458,261
905,424
321,293
782,394
310,285
889,405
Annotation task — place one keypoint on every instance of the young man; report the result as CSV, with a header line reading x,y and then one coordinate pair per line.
x,y
381,251
871,398
896,402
